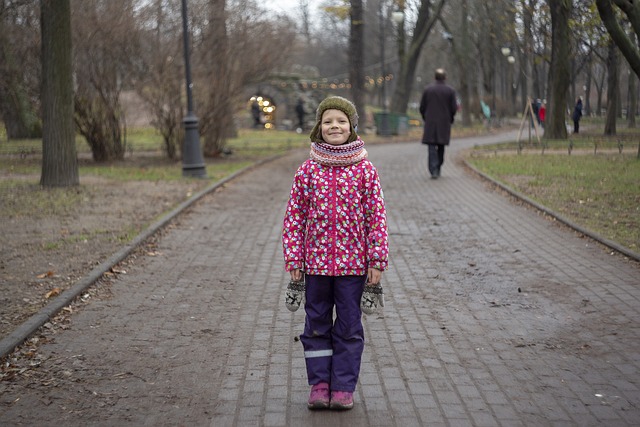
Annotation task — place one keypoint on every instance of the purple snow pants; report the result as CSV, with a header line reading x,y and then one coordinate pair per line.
x,y
333,350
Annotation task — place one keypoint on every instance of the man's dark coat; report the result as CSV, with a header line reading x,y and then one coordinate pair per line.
x,y
438,107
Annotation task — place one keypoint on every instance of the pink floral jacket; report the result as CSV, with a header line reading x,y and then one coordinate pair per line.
x,y
335,223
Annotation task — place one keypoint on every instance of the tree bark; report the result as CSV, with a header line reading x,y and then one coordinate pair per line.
x,y
612,90
59,160
356,60
625,43
460,55
632,109
559,71
427,17
20,117
217,125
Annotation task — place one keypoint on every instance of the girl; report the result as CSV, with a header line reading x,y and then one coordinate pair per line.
x,y
335,231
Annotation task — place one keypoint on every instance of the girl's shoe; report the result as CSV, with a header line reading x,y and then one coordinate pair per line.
x,y
319,397
341,400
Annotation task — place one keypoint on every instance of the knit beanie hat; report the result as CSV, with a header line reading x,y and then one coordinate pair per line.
x,y
335,103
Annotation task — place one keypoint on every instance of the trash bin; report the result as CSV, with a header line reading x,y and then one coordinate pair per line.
x,y
402,126
391,123
383,125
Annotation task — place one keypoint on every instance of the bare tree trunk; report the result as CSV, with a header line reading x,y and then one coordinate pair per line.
x,y
356,60
465,92
461,57
427,17
612,89
528,50
587,93
59,161
623,41
632,108
20,117
599,82
559,71
219,114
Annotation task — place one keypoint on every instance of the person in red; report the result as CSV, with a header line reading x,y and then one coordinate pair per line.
x,y
542,112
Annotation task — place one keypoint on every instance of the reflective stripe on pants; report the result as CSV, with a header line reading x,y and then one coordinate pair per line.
x,y
333,349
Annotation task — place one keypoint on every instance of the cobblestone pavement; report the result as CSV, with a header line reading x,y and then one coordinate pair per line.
x,y
495,316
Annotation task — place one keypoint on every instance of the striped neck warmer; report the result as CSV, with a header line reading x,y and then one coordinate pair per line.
x,y
338,155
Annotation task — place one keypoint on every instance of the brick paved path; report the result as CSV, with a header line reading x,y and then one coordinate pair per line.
x,y
495,317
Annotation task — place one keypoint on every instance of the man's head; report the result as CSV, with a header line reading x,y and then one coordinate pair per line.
x,y
441,75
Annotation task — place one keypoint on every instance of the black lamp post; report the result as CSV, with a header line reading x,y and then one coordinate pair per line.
x,y
192,160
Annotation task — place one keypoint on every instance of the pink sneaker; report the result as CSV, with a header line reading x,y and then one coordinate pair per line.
x,y
319,397
341,400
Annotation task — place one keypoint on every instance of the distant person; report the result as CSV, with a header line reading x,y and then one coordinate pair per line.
x,y
300,112
542,113
438,107
334,237
535,107
256,114
577,115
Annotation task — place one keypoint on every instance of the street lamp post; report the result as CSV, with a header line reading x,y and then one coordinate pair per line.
x,y
192,160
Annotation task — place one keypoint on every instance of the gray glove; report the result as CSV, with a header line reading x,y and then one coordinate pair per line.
x,y
294,295
372,298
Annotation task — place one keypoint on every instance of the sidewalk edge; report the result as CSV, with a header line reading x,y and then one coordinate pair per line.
x,y
609,243
33,323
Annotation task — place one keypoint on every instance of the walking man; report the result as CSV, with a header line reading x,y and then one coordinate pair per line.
x,y
438,107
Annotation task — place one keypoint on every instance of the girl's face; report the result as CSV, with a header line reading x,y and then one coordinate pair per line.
x,y
335,127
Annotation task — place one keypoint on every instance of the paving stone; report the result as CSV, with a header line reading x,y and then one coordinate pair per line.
x,y
495,316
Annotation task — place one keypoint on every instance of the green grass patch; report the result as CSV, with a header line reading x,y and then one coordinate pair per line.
x,y
599,192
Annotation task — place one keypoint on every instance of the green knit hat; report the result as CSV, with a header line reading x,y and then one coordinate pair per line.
x,y
335,103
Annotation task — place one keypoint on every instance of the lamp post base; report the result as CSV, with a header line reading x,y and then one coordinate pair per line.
x,y
192,160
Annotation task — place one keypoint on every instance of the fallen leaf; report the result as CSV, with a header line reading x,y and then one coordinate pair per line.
x,y
47,274
52,293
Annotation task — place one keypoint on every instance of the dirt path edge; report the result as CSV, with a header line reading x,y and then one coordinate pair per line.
x,y
606,242
33,323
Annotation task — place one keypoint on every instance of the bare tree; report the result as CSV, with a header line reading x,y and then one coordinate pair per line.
x,y
428,14
20,69
626,44
461,43
106,46
632,109
232,55
216,122
160,76
59,162
613,90
356,59
559,71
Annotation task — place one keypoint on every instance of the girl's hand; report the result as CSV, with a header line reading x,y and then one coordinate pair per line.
x,y
373,276
296,275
